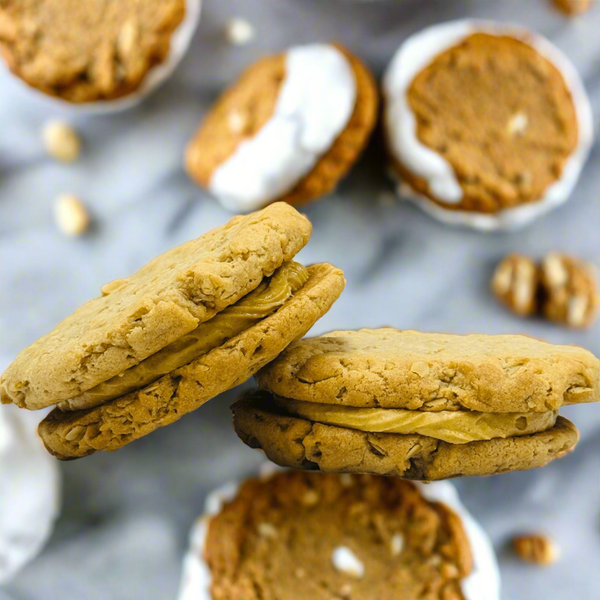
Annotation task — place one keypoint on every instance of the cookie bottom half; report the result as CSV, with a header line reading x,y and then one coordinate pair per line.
x,y
302,444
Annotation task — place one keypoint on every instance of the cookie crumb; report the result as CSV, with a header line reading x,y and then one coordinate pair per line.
x,y
538,549
61,141
71,215
346,479
239,32
310,498
345,561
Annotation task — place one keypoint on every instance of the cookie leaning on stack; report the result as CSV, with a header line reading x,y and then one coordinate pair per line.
x,y
417,405
191,324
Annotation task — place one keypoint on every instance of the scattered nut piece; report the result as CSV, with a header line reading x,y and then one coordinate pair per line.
x,y
239,32
572,7
310,498
61,141
345,561
75,433
569,290
515,283
71,215
536,548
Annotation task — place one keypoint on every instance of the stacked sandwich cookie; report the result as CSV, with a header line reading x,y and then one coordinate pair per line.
x,y
191,324
300,535
422,406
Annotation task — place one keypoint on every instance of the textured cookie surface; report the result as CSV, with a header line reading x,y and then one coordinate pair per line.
x,y
247,106
302,444
163,301
282,538
118,422
86,50
526,125
388,368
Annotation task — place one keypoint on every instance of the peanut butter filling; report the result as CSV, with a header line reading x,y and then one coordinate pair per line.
x,y
454,427
269,296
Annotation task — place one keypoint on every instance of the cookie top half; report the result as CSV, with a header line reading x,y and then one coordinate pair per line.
x,y
389,368
299,535
166,299
86,51
487,119
288,129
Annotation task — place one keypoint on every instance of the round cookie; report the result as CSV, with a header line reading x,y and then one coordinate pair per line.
x,y
166,299
289,129
302,444
83,52
487,125
353,536
120,421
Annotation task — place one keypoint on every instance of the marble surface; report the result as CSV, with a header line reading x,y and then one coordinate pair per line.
x,y
126,516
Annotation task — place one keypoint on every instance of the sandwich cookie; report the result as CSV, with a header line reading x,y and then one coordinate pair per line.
x,y
289,129
97,56
305,535
191,324
416,405
487,125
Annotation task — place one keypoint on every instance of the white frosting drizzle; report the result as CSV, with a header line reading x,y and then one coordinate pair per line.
x,y
29,491
482,584
315,103
415,55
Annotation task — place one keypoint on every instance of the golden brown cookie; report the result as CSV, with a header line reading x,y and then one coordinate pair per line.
x,y
247,109
417,405
390,368
569,290
302,444
118,422
572,7
295,535
165,300
481,119
86,51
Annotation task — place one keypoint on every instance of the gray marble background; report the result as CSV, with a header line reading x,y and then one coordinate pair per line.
x,y
126,516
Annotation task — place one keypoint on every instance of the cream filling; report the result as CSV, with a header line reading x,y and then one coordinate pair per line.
x,y
233,320
454,427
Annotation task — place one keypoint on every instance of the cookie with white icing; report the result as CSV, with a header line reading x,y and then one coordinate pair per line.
x,y
421,406
298,535
289,129
487,125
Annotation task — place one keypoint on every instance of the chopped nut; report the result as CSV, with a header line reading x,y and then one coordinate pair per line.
x,y
239,32
113,286
310,498
345,561
515,283
536,548
572,7
569,290
517,124
75,433
396,544
266,530
61,141
71,216
236,121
